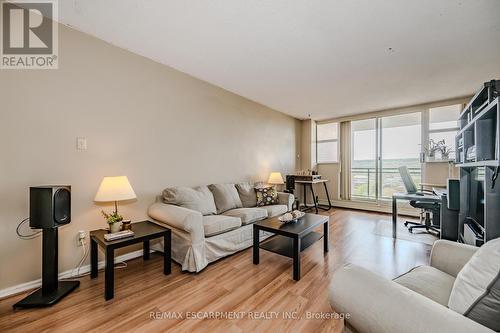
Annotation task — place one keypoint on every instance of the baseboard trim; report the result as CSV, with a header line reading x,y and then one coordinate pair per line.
x,y
20,288
371,206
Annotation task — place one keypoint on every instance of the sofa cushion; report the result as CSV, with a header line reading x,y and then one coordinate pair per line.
x,y
198,198
247,215
226,197
476,292
275,210
429,282
218,224
247,194
266,196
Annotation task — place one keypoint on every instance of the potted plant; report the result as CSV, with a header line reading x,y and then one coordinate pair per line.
x,y
430,150
437,147
445,152
114,220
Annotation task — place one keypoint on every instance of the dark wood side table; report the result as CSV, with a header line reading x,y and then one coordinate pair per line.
x,y
291,238
143,232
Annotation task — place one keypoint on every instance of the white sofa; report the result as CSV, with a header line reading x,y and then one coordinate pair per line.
x,y
199,238
418,301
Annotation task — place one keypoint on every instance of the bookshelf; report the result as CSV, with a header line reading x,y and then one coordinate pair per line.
x,y
478,139
478,157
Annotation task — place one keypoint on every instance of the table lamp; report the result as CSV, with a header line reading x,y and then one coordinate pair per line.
x,y
275,178
114,189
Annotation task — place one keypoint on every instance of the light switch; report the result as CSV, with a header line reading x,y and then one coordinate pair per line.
x,y
81,143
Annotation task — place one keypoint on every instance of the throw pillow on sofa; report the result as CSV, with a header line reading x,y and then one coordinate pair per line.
x,y
198,198
476,291
247,194
266,196
226,197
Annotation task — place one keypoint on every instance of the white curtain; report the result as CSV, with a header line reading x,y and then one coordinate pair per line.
x,y
345,160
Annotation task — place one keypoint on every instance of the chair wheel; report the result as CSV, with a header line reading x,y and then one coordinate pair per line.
x,y
410,230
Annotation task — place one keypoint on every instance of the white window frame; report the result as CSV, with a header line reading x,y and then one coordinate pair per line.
x,y
426,125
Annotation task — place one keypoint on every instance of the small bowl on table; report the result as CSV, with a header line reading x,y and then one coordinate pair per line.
x,y
291,217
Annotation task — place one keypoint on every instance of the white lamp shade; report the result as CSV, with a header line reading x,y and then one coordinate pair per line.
x,y
275,178
114,189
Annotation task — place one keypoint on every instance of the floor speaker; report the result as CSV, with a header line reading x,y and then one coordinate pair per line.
x,y
50,207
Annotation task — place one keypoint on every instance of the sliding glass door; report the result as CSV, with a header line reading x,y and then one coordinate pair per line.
x,y
379,147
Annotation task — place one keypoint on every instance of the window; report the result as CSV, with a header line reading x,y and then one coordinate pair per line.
x,y
400,145
364,159
379,146
327,142
443,126
388,140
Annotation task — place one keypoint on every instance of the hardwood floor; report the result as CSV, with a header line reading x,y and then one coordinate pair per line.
x,y
144,297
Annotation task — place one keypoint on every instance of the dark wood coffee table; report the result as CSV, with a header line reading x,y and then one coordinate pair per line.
x,y
143,232
291,238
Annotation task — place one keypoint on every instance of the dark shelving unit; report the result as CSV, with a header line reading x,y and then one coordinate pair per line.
x,y
478,156
481,135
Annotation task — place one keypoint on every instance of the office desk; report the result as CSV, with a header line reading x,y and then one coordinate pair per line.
x,y
310,183
408,197
425,187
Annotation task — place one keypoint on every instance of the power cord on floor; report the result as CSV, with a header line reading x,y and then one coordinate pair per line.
x,y
33,235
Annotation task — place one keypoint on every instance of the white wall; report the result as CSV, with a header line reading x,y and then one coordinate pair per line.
x,y
152,123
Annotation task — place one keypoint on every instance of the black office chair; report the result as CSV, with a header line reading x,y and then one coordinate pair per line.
x,y
290,188
429,208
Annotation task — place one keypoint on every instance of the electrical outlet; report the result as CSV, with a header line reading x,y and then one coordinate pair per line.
x,y
81,236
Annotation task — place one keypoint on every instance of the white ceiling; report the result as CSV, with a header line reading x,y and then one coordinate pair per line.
x,y
324,58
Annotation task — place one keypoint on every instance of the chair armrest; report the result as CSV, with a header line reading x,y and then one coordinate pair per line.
x,y
179,217
286,199
373,304
450,257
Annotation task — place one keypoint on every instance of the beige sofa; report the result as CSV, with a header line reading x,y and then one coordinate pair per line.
x,y
212,222
418,301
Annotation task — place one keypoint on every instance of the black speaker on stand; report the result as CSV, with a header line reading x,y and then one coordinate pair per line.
x,y
50,207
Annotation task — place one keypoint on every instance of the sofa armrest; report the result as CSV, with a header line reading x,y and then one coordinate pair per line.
x,y
450,257
181,218
286,199
374,304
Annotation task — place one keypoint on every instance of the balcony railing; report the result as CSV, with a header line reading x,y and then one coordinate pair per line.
x,y
363,182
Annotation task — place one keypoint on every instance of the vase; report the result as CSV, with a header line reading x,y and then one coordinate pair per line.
x,y
114,227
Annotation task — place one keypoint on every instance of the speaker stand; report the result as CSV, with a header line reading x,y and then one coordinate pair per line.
x,y
52,290
39,299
